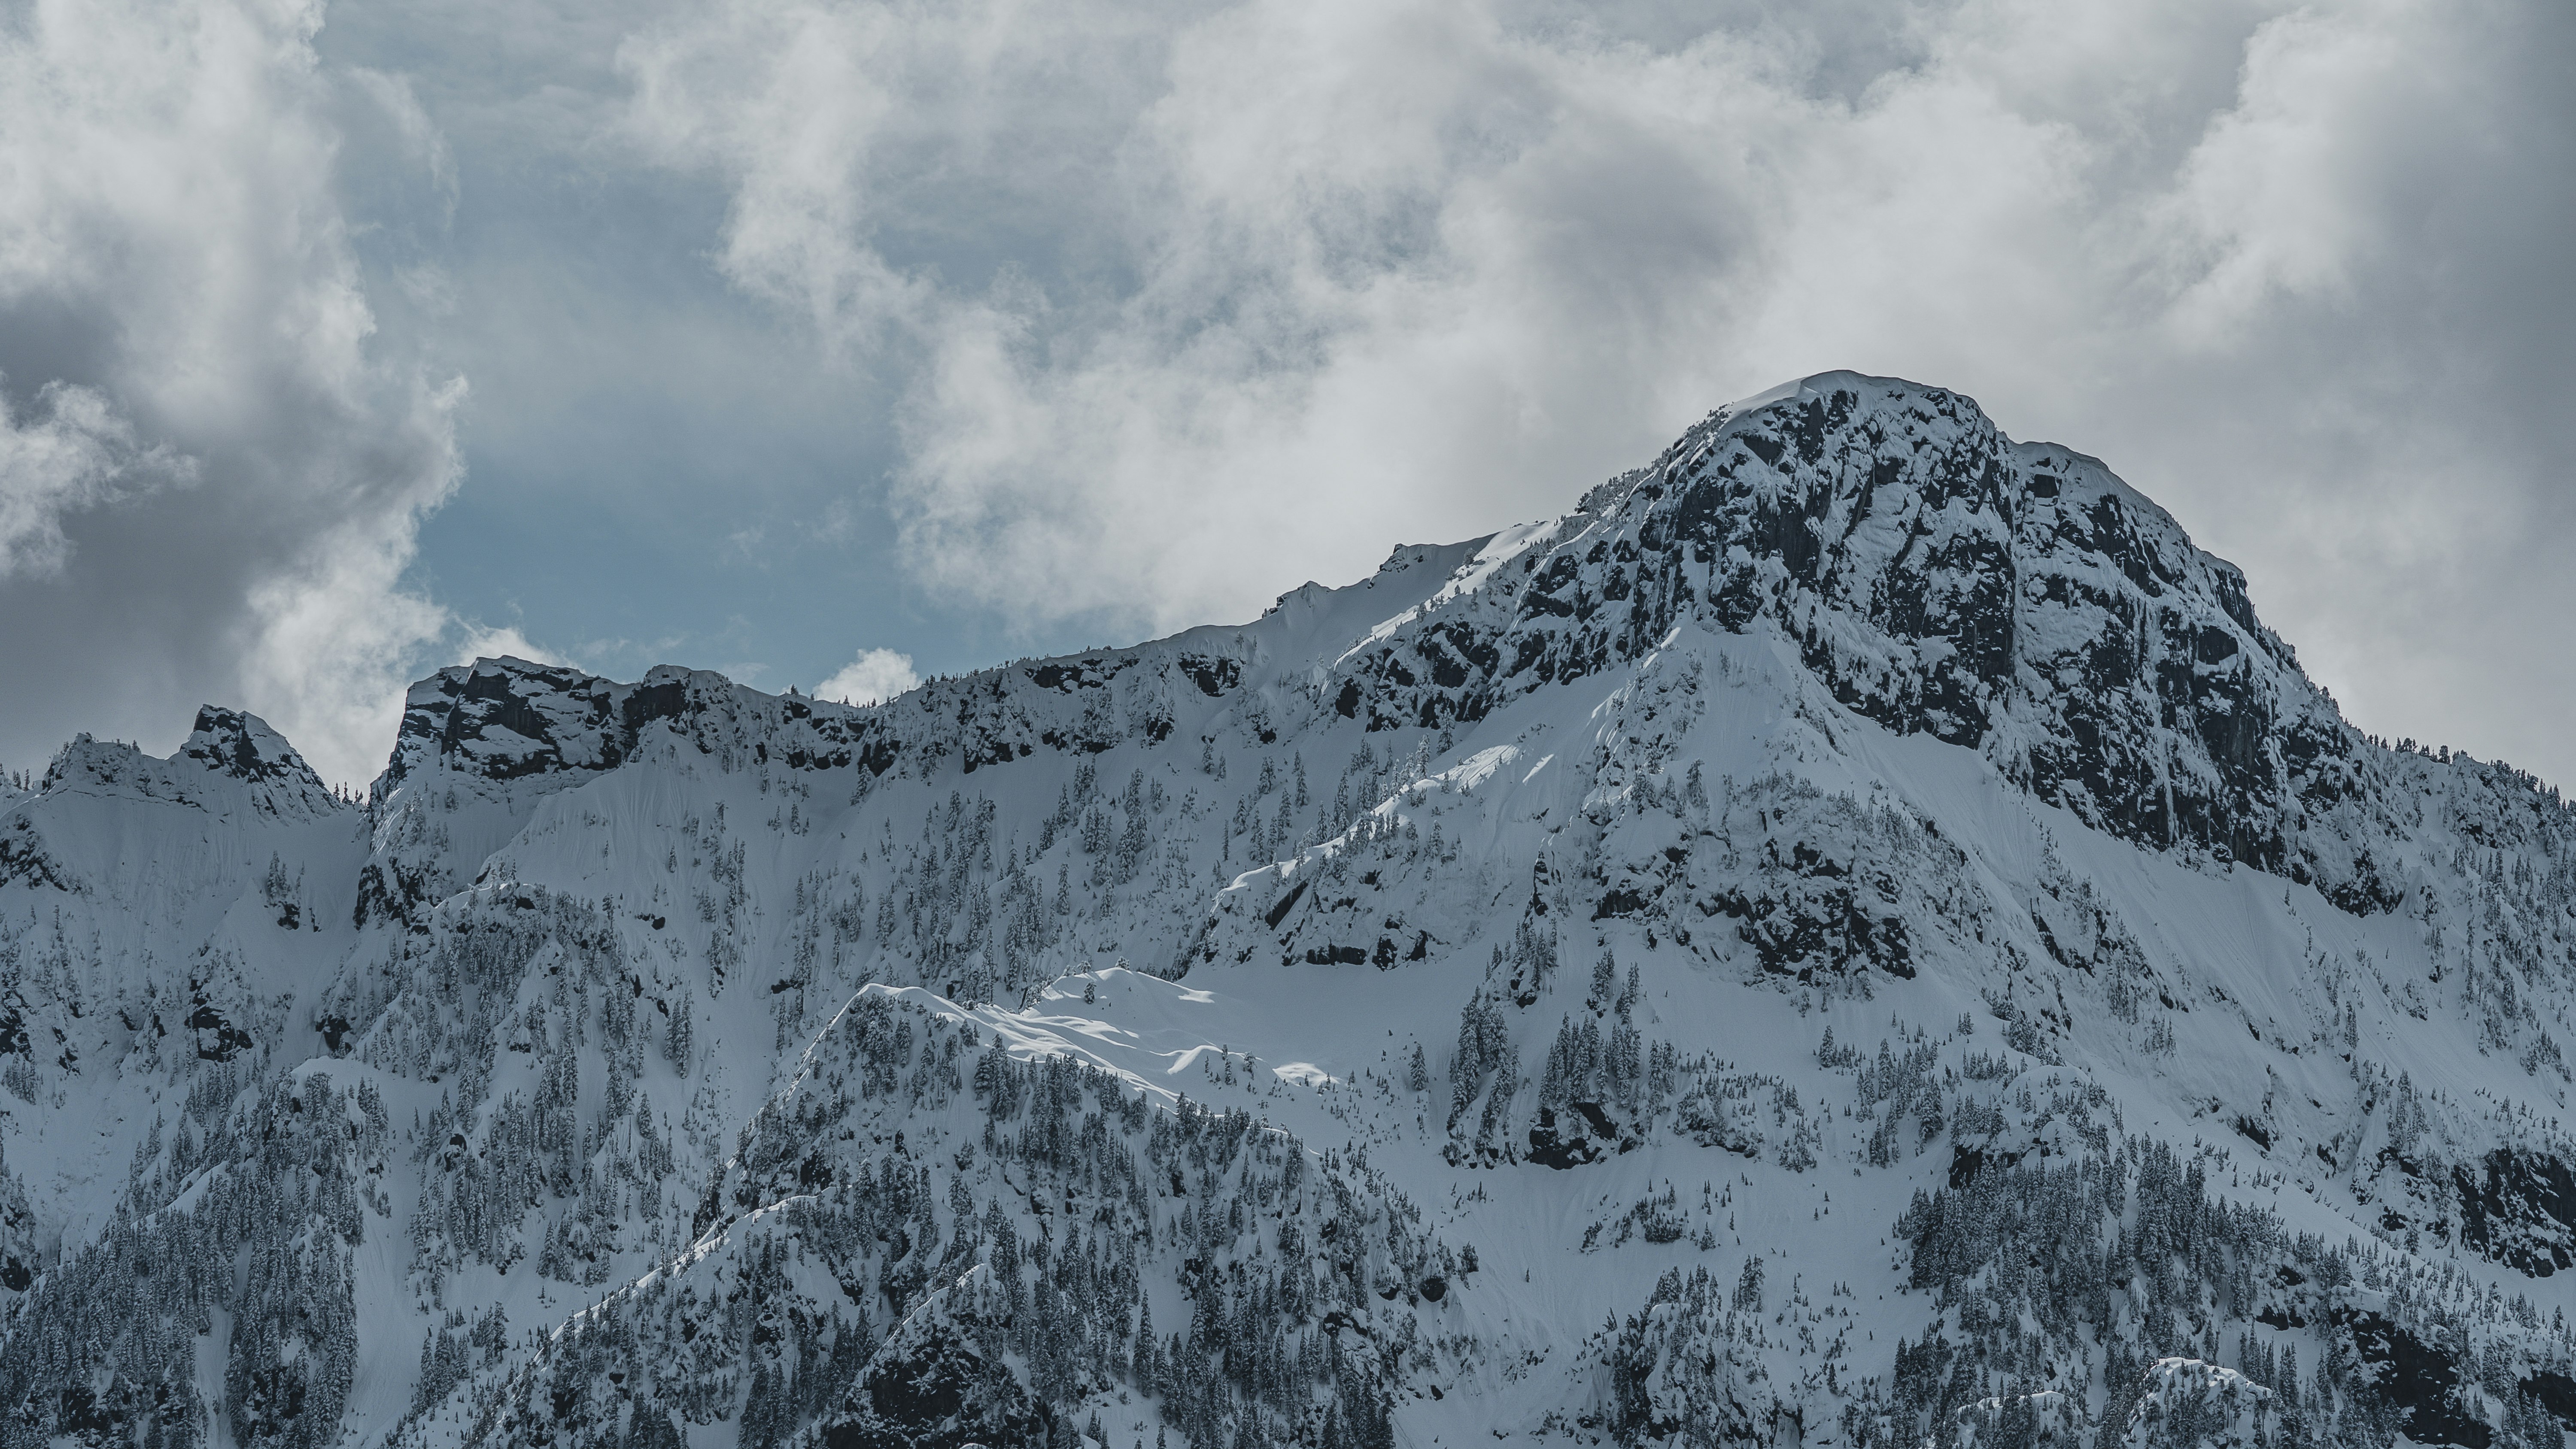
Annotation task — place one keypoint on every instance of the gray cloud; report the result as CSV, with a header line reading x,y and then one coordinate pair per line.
x,y
210,477
1337,275
1157,309
71,454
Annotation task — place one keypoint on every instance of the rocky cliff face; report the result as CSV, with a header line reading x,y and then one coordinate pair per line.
x,y
1417,1014
1938,579
240,746
505,719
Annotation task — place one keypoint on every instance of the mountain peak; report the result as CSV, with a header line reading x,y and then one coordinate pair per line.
x,y
241,745
1937,578
227,749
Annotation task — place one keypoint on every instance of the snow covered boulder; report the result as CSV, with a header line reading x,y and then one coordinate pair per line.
x,y
2184,1403
1688,1368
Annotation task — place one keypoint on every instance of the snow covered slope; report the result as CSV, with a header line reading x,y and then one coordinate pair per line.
x,y
1418,1016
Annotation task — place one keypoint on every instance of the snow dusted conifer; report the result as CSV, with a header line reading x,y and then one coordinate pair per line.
x,y
1748,1286
678,1042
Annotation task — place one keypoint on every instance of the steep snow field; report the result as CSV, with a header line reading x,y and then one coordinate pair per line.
x,y
1855,935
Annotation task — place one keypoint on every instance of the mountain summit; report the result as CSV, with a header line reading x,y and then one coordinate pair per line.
x,y
1938,579
1855,935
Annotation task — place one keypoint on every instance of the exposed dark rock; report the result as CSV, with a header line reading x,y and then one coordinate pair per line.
x,y
2519,1209
242,746
2556,1393
2420,1381
936,1393
1584,1133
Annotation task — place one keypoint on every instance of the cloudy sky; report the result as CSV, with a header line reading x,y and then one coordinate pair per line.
x,y
826,343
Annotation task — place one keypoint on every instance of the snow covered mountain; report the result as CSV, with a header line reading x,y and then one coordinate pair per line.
x,y
1418,1016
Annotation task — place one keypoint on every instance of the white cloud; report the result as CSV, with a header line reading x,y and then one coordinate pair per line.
x,y
876,675
480,642
180,302
1185,302
1373,271
1279,282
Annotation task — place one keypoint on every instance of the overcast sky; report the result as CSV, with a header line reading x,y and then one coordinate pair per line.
x,y
819,341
